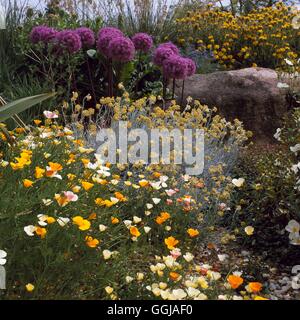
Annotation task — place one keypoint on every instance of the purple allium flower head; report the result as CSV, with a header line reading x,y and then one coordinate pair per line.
x,y
175,67
42,34
142,42
191,65
121,49
68,40
170,45
87,37
161,54
105,35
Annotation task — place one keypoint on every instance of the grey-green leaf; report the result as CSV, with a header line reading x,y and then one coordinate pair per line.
x,y
15,107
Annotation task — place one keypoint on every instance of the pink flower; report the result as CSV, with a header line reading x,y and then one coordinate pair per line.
x,y
71,196
175,253
50,115
169,201
170,192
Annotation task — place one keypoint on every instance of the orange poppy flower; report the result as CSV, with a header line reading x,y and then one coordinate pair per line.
x,y
235,281
171,242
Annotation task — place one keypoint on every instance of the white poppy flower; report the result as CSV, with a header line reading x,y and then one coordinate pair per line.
x,y
282,85
147,229
149,205
179,294
188,257
127,223
136,219
63,221
107,254
129,279
147,213
192,292
3,255
102,227
295,148
277,134
293,226
156,200
238,182
222,257
288,62
29,230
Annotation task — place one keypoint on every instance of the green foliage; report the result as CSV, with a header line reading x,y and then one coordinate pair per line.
x,y
15,107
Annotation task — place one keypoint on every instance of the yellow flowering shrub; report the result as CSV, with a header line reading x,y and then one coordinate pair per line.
x,y
263,38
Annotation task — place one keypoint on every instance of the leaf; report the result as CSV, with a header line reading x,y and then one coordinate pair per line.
x,y
15,107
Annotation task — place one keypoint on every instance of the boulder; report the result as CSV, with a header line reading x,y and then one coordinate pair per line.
x,y
251,95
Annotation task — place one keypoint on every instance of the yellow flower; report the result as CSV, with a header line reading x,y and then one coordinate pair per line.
x,y
29,287
260,298
41,232
27,183
91,242
39,172
50,220
114,220
92,216
143,183
120,197
135,231
71,176
249,230
87,185
193,232
171,243
37,122
83,224
109,289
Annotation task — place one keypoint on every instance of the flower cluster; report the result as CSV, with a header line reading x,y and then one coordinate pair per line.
x,y
105,35
174,66
264,37
68,40
42,34
87,37
142,42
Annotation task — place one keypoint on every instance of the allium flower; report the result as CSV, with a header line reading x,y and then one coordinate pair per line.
x,y
121,49
175,67
105,35
171,46
87,37
162,53
69,40
42,34
191,65
142,42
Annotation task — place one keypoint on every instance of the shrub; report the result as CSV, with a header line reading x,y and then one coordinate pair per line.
x,y
263,37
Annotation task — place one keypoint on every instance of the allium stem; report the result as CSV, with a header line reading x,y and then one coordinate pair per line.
x,y
110,78
182,92
173,89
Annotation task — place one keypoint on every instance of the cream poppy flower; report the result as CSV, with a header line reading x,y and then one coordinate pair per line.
x,y
102,227
238,182
3,255
249,230
147,229
107,254
63,221
29,230
156,200
188,257
136,219
293,226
